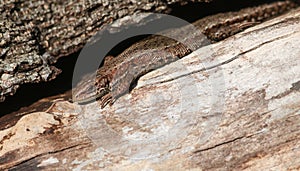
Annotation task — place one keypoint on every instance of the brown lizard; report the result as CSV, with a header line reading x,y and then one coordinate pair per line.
x,y
116,76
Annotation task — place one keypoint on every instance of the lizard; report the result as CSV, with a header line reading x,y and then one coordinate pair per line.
x,y
117,74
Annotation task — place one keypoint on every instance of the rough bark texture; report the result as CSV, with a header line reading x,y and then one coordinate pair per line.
x,y
34,34
228,106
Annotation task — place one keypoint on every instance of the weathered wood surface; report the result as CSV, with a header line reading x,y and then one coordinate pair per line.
x,y
34,34
228,106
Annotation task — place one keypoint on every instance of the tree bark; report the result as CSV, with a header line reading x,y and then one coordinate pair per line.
x,y
228,106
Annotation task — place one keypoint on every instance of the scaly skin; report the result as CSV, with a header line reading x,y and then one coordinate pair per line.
x,y
115,77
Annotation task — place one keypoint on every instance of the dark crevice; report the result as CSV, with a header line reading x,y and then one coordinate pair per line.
x,y
191,12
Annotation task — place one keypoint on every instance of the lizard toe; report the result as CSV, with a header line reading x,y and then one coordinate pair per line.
x,y
105,100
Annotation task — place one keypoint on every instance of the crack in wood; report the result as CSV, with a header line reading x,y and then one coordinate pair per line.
x,y
226,142
51,152
220,144
296,86
225,62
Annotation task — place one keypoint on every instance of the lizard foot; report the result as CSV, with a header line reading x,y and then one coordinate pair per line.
x,y
106,99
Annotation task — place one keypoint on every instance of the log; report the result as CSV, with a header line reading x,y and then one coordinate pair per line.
x,y
233,105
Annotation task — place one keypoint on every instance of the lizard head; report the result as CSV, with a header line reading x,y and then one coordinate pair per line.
x,y
89,89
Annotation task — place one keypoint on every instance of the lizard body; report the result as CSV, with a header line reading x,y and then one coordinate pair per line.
x,y
115,77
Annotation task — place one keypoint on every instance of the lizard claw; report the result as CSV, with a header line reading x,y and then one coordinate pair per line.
x,y
106,99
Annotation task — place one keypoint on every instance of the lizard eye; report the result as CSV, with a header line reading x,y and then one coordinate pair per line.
x,y
102,89
90,89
